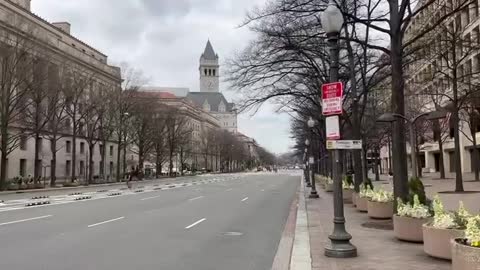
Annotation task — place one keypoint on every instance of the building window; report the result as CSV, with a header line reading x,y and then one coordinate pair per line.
x,y
213,72
68,146
111,150
23,167
209,72
100,147
23,142
82,168
68,167
101,167
111,168
82,148
205,72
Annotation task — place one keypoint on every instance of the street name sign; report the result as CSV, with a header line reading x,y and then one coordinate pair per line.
x,y
332,98
344,144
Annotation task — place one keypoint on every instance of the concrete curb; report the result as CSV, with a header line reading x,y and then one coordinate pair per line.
x,y
301,257
284,251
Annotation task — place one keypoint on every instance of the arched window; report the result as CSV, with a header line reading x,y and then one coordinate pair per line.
x,y
205,72
209,72
213,72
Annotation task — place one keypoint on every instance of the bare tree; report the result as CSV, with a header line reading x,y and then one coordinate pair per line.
x,y
142,128
56,127
124,103
78,82
16,73
178,133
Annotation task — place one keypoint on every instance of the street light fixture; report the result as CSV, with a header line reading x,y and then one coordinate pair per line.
x,y
340,246
313,192
392,117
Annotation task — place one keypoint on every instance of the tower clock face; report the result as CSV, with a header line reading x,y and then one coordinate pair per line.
x,y
210,84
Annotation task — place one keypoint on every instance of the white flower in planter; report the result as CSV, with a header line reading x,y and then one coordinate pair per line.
x,y
472,232
382,196
417,210
448,220
366,193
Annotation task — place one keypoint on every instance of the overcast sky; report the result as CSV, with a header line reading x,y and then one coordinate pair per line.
x,y
164,38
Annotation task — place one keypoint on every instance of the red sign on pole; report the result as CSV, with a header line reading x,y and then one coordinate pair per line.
x,y
332,98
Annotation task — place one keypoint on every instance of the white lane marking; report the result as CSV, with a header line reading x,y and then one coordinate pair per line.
x,y
230,189
196,198
149,198
244,199
106,221
195,223
23,220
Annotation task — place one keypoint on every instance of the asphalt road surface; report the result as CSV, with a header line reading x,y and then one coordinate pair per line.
x,y
212,222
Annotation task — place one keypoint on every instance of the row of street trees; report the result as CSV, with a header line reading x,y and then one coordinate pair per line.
x,y
381,53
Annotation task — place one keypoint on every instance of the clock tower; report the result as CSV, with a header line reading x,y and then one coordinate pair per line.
x,y
209,70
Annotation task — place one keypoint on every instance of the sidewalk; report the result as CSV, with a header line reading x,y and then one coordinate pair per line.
x,y
377,248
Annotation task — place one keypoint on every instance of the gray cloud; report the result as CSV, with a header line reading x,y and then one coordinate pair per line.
x,y
165,38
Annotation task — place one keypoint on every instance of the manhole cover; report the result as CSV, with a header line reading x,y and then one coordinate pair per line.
x,y
233,234
380,225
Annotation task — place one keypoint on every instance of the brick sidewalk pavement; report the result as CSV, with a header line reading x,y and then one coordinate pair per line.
x,y
377,248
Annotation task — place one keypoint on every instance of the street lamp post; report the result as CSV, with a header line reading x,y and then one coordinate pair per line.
x,y
309,165
339,246
307,178
392,117
313,192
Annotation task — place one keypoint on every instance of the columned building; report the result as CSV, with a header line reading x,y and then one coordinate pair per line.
x,y
56,59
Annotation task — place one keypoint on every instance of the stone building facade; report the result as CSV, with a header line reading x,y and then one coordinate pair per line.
x,y
59,51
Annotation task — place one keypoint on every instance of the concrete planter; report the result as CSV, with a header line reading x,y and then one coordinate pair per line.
x,y
380,210
436,242
347,195
328,187
362,204
408,228
464,257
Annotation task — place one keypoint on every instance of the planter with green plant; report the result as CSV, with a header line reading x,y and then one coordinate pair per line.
x,y
348,189
380,205
366,193
445,226
407,223
329,184
466,250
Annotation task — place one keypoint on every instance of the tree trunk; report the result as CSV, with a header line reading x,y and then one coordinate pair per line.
x,y
90,164
53,165
170,165
456,133
119,151
103,158
181,161
400,172
37,167
3,168
158,165
4,160
440,157
74,148
475,156
364,161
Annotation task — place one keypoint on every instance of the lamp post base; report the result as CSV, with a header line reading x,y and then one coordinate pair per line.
x,y
313,195
340,249
308,184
